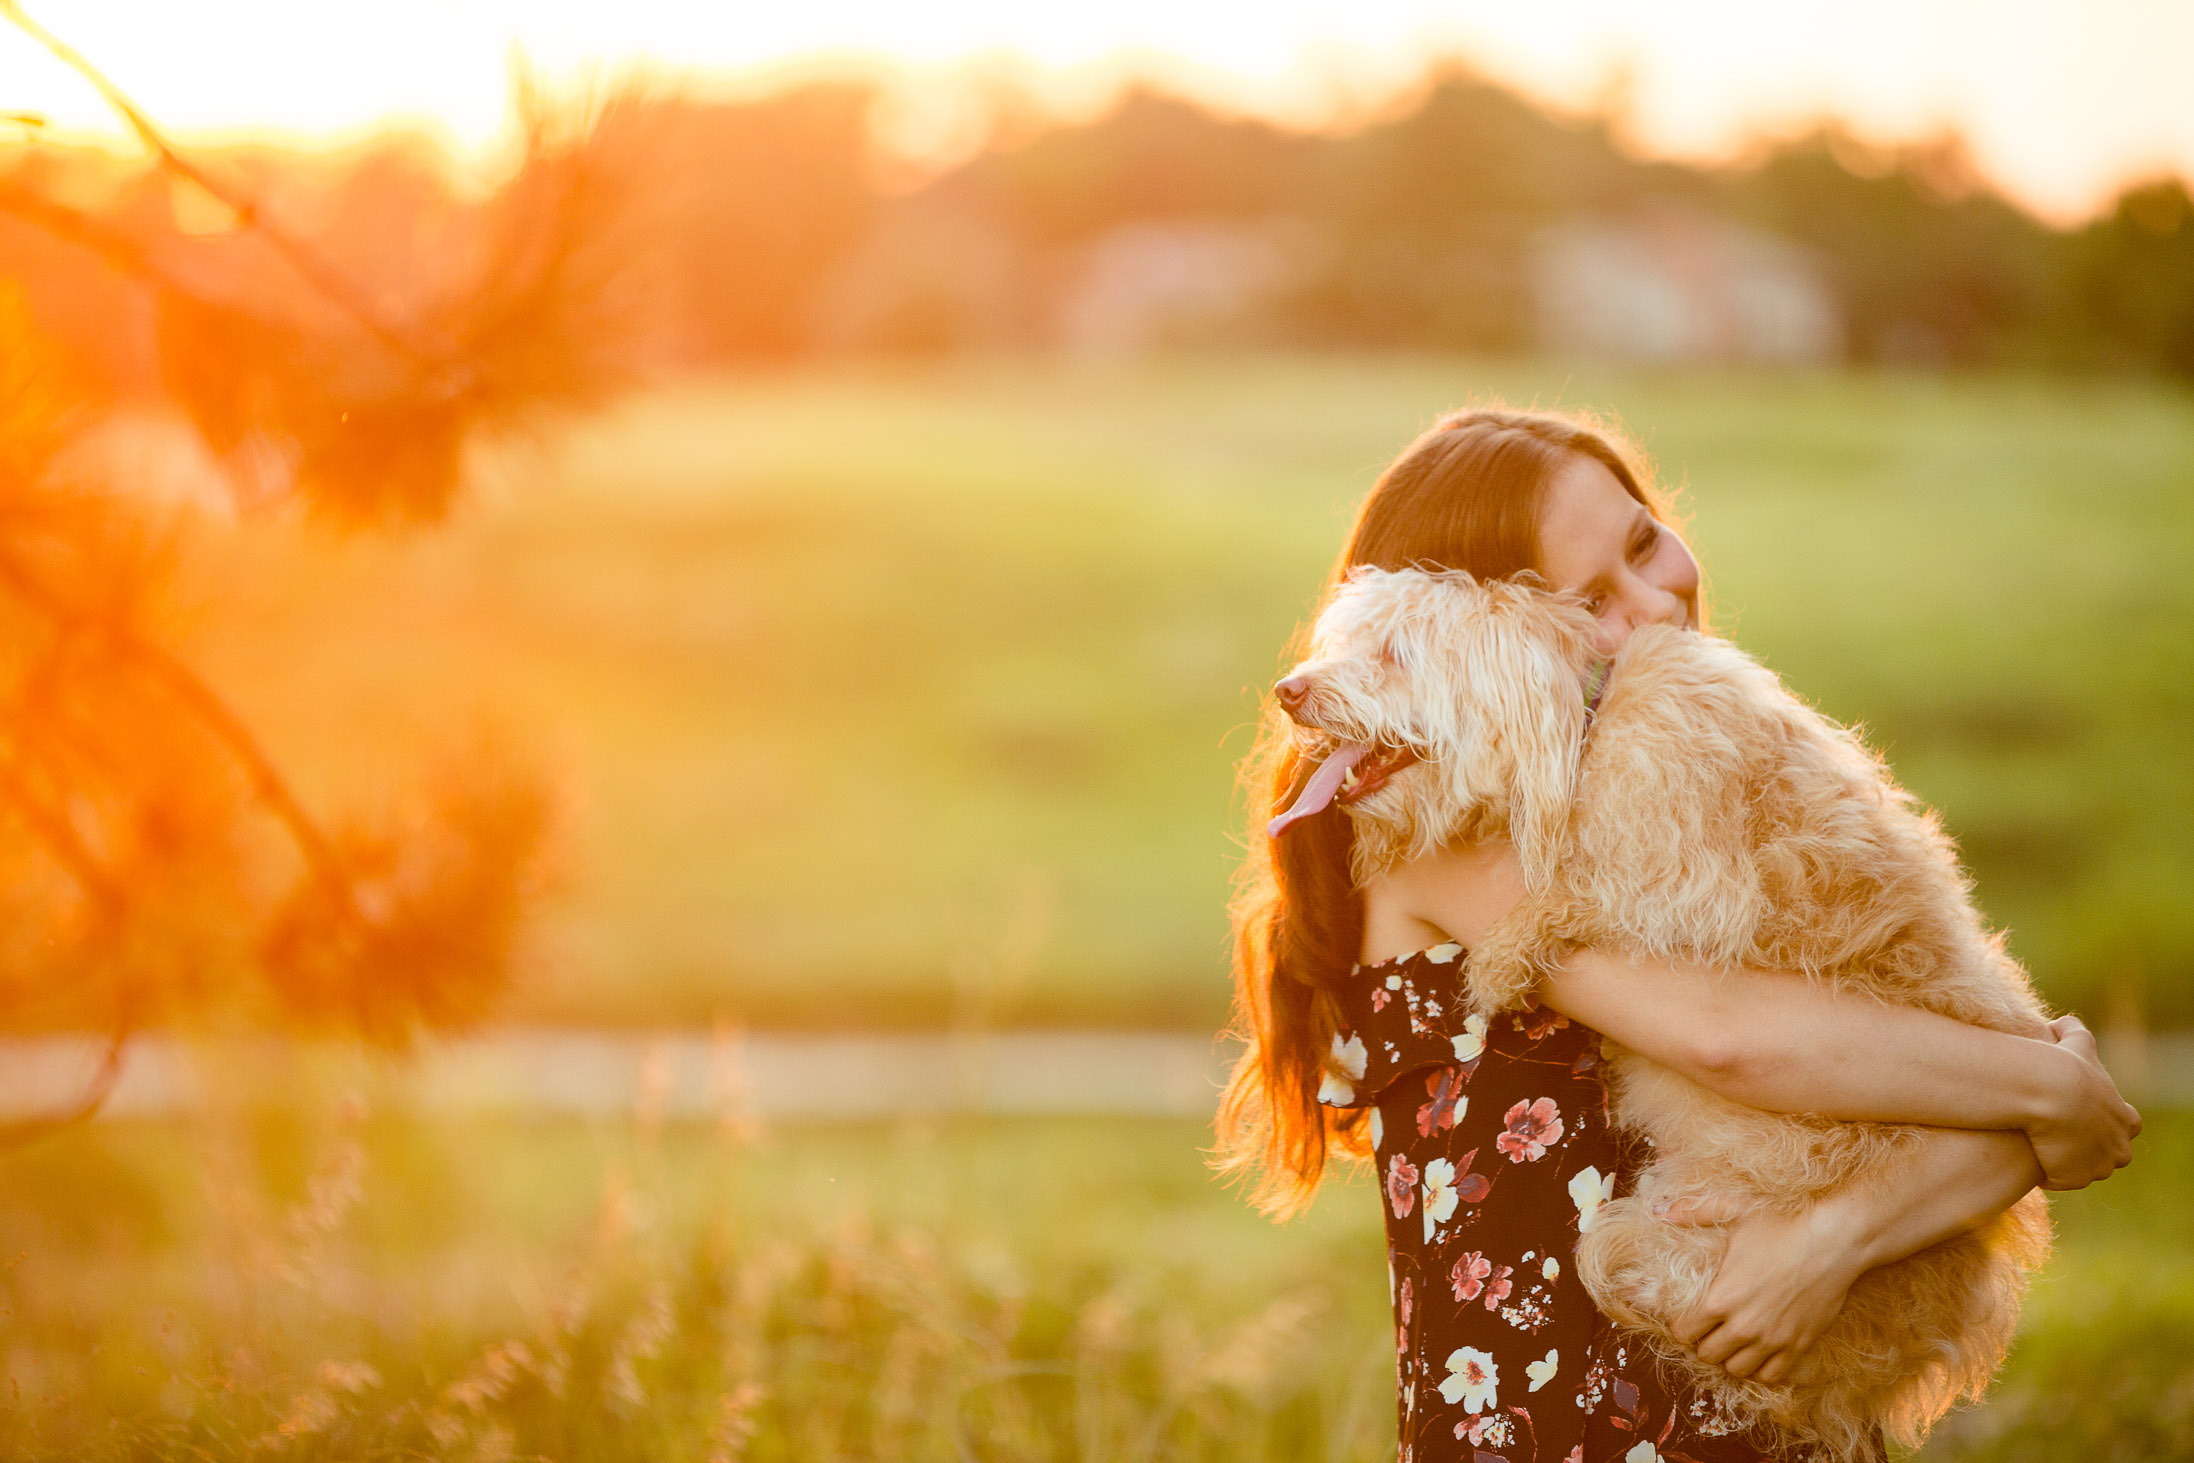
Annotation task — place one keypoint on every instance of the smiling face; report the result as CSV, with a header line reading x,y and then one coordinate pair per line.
x,y
1600,543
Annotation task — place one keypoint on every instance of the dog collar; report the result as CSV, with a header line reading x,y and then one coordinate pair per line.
x,y
1595,688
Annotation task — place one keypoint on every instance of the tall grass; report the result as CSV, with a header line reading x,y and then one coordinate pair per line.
x,y
317,1282
522,1293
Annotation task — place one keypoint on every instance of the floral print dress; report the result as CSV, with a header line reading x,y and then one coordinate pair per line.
x,y
1494,1153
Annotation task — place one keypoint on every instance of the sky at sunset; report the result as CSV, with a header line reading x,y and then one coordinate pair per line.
x,y
2061,103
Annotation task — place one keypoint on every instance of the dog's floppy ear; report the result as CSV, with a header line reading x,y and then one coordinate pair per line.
x,y
1522,681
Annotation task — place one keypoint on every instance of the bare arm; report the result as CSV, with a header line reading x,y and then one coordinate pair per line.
x,y
1784,1276
1781,1043
1777,1041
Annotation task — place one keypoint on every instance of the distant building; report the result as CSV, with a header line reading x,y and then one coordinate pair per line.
x,y
1145,286
929,280
934,279
1674,286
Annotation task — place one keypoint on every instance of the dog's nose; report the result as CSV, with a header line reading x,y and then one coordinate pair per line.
x,y
1292,691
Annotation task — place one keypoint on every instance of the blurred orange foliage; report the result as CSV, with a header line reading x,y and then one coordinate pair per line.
x,y
155,864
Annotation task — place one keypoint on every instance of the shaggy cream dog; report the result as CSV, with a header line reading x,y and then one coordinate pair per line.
x,y
1708,816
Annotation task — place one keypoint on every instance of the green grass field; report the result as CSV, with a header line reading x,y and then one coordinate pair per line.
x,y
293,1285
912,696
897,696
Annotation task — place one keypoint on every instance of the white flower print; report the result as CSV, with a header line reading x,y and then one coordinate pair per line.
x,y
1335,1090
1588,1190
1643,1453
1542,1371
1350,1056
1439,1194
1378,1128
1442,954
1471,1379
1471,1044
1494,1430
1551,1268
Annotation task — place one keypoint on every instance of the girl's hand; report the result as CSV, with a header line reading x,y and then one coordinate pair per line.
x,y
1782,1280
2087,1132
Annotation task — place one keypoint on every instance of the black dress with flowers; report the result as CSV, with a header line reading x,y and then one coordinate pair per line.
x,y
1494,1152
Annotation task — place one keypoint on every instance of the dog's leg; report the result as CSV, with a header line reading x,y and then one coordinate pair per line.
x,y
1516,952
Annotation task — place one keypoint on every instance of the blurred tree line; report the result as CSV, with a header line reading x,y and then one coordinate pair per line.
x,y
769,236
340,330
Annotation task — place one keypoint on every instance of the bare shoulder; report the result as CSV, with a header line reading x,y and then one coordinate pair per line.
x,y
1454,894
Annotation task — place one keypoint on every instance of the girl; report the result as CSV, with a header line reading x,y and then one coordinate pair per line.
x,y
1490,1140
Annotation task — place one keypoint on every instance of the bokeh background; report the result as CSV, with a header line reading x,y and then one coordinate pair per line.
x,y
560,612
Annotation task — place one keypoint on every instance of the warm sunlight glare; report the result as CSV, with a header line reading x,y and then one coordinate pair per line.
x,y
2061,104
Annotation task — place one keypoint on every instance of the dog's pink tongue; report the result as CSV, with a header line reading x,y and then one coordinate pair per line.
x,y
1323,784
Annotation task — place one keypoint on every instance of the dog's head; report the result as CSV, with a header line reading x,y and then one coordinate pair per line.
x,y
1432,701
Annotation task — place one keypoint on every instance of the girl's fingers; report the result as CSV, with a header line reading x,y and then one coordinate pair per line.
x,y
2072,1032
1693,1327
1746,1360
1720,1344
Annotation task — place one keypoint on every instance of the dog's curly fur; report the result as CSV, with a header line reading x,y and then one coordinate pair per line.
x,y
1710,816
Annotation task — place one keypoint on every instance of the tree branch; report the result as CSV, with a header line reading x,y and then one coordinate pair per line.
x,y
310,265
181,681
108,892
60,838
128,254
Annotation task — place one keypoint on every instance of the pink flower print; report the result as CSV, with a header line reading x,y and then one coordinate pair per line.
x,y
1469,1275
1448,1102
1497,1288
1494,1430
1537,1022
1379,998
1401,1185
1406,1300
1531,1127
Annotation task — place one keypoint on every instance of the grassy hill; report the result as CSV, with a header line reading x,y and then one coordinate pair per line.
x,y
895,696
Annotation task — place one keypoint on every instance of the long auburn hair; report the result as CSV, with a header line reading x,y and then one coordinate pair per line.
x,y
1467,494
